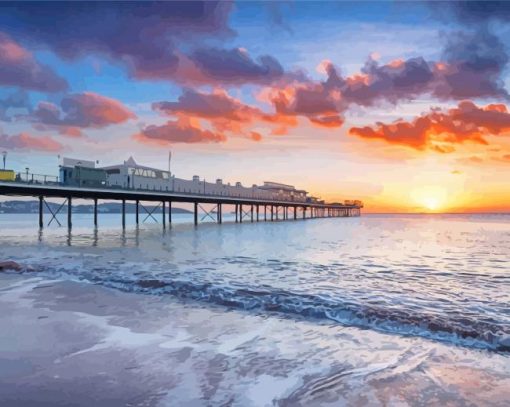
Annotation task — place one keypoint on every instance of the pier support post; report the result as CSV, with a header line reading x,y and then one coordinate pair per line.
x,y
95,212
169,213
265,213
195,214
272,213
241,213
304,212
257,212
218,213
137,211
251,213
236,212
163,205
69,212
295,212
123,214
41,212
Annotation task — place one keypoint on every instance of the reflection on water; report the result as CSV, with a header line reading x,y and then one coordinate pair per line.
x,y
443,277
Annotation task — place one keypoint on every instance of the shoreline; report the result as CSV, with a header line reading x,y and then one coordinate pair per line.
x,y
74,342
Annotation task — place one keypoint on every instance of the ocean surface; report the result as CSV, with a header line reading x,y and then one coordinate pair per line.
x,y
439,279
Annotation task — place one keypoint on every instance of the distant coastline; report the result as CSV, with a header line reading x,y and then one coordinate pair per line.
x,y
111,207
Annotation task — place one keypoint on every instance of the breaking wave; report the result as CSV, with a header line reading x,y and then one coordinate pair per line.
x,y
459,330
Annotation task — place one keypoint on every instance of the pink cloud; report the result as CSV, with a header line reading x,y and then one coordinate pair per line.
x,y
181,131
80,111
27,142
19,68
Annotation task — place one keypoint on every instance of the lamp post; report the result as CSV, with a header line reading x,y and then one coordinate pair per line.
x,y
27,172
4,156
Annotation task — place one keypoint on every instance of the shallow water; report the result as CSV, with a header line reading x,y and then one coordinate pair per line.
x,y
441,277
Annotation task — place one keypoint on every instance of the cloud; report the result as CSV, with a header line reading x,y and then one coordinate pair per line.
x,y
26,142
470,12
474,66
223,112
14,101
145,36
440,130
179,131
79,111
19,68
236,66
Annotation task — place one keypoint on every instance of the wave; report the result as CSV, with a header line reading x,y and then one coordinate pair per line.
x,y
456,329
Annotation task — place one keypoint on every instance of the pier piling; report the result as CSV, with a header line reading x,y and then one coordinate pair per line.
x,y
95,212
69,212
123,214
41,224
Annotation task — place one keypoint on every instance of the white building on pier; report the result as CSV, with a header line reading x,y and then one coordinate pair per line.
x,y
131,175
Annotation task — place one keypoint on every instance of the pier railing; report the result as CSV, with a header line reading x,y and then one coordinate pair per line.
x,y
43,179
251,208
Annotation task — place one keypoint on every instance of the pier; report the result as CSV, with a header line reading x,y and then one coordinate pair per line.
x,y
246,209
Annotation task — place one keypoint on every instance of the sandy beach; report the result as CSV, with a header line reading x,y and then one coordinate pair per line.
x,y
72,343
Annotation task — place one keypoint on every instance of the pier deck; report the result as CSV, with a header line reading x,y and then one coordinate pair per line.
x,y
272,209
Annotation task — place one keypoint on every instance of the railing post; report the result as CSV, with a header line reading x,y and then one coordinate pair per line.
x,y
41,212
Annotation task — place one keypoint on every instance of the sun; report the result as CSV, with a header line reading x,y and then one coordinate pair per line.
x,y
430,198
431,203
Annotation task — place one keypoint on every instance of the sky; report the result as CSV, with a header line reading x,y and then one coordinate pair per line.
x,y
403,105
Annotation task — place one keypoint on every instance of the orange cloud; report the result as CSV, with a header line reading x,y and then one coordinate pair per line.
x,y
440,130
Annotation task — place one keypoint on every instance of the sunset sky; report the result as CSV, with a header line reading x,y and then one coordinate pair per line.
x,y
402,105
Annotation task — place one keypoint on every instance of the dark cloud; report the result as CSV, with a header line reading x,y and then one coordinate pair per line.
x,y
440,130
236,66
143,35
15,101
474,64
27,142
19,68
474,11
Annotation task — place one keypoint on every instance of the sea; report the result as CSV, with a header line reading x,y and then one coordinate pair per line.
x,y
428,289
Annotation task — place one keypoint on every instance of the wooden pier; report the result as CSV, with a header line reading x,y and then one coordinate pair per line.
x,y
246,209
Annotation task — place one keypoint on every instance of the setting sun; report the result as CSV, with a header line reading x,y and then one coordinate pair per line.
x,y
430,198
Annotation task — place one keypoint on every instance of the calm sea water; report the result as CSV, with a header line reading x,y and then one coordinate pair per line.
x,y
445,278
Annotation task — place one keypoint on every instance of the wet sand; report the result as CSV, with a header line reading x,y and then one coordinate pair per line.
x,y
72,343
